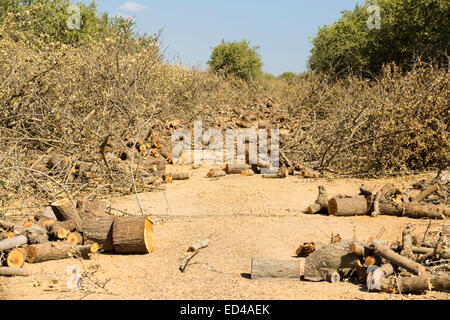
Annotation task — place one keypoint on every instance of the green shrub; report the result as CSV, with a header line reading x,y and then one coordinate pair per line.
x,y
237,59
409,28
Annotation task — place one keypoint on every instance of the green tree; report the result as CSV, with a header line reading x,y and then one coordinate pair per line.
x,y
409,28
287,76
58,20
238,59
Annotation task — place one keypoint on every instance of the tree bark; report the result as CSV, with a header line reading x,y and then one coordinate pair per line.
x,y
133,235
346,207
60,230
36,235
266,269
99,230
12,243
65,210
383,251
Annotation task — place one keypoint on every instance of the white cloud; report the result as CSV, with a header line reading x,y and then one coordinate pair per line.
x,y
133,7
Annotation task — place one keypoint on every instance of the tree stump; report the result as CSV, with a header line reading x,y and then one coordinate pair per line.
x,y
133,235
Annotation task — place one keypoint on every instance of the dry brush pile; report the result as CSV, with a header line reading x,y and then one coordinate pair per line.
x,y
90,120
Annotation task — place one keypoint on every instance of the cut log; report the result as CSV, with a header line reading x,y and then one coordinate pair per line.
x,y
12,243
426,193
282,173
13,272
332,257
65,210
266,269
346,207
60,230
414,210
133,235
57,251
99,230
429,211
407,243
198,246
321,204
16,258
216,173
177,176
383,251
75,238
96,208
236,169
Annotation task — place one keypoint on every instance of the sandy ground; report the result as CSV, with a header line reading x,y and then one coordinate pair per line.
x,y
244,217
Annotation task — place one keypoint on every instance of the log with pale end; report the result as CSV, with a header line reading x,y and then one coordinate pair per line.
x,y
216,173
346,207
133,235
57,251
236,169
269,269
321,204
75,238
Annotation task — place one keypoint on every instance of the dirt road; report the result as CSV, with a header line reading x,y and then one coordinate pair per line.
x,y
244,217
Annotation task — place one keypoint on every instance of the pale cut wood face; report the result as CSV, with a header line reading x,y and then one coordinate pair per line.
x,y
148,236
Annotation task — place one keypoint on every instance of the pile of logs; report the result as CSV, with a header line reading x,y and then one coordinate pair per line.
x,y
399,268
390,201
71,230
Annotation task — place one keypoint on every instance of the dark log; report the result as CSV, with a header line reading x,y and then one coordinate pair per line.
x,y
267,269
133,235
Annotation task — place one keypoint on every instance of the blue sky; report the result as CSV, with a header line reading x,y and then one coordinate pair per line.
x,y
283,29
